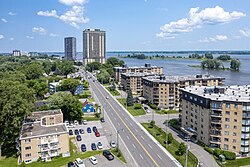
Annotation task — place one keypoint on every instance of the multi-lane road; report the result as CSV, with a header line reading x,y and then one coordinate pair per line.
x,y
145,152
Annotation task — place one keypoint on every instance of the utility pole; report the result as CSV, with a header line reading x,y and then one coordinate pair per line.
x,y
153,122
186,158
117,137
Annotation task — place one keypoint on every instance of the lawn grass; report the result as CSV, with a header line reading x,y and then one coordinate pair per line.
x,y
56,162
114,93
237,162
167,111
106,84
131,109
91,118
91,99
160,136
116,153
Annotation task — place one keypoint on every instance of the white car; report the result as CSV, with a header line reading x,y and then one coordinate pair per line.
x,y
93,160
66,123
99,145
107,97
84,122
79,162
71,125
76,122
113,144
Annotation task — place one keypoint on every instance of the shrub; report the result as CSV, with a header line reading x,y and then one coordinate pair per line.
x,y
170,138
137,106
229,155
97,115
208,149
153,106
217,152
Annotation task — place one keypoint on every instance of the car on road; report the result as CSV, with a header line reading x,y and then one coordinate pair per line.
x,y
71,164
84,122
94,129
83,148
79,162
107,97
97,134
102,119
76,132
93,160
93,146
113,144
89,130
70,132
78,138
99,145
81,131
108,155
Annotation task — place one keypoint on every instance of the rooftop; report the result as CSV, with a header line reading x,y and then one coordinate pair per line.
x,y
222,93
176,79
36,116
139,74
136,67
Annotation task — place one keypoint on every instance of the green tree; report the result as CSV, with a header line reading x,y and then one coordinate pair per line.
x,y
112,87
103,77
69,84
93,66
115,61
85,84
40,87
224,57
65,67
170,138
33,70
235,64
208,56
181,149
70,105
130,99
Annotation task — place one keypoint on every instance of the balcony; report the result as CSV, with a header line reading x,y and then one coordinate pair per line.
x,y
216,114
215,121
49,140
215,133
215,141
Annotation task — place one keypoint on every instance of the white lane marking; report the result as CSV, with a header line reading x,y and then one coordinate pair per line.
x,y
112,114
159,156
150,146
126,118
134,146
118,124
130,123
142,138
136,130
115,118
127,137
141,156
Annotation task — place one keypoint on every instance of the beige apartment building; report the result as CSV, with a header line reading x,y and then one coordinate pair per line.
x,y
43,135
218,116
133,81
147,68
163,91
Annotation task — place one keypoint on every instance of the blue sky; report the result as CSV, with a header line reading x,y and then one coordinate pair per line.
x,y
41,25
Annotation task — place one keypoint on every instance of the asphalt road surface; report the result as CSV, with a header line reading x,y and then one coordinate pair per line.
x,y
144,150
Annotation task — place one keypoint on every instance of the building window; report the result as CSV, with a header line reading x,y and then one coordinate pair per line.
x,y
234,133
27,141
202,132
227,119
28,148
235,105
235,120
225,147
227,105
201,119
235,127
234,140
226,139
28,155
235,113
227,112
201,126
201,101
226,132
234,147
27,161
226,126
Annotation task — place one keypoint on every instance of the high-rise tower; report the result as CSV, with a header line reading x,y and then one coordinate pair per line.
x,y
94,46
70,48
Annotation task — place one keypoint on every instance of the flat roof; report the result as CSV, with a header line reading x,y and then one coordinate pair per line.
x,y
176,79
36,116
30,130
136,67
230,93
139,74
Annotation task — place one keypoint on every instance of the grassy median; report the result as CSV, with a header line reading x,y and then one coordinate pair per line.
x,y
133,111
114,93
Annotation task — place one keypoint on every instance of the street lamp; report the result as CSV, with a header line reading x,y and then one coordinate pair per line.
x,y
117,137
186,158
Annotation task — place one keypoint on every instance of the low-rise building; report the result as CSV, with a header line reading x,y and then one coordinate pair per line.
x,y
163,91
218,116
53,87
43,135
142,69
133,81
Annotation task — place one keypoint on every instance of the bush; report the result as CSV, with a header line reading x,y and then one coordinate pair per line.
x,y
208,149
137,106
229,155
170,138
153,106
217,152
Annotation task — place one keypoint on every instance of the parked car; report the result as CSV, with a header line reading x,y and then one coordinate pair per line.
x,y
93,146
81,131
70,132
66,123
83,148
78,138
102,119
89,130
84,122
93,160
76,132
97,134
71,164
113,144
71,125
76,122
99,145
108,155
79,162
95,129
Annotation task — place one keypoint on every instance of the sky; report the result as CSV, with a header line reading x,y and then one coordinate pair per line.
x,y
130,25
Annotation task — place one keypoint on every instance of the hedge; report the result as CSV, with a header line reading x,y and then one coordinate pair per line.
x,y
208,149
229,155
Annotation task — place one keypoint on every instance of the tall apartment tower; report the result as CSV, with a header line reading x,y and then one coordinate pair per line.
x,y
70,48
94,46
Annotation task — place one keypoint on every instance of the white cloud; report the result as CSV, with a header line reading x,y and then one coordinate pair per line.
x,y
195,19
245,32
54,35
1,36
39,30
12,14
214,39
47,13
29,37
73,2
11,39
4,20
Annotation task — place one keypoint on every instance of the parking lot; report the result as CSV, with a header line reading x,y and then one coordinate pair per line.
x,y
89,138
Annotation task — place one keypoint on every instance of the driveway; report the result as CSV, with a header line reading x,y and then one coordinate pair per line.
x,y
103,162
